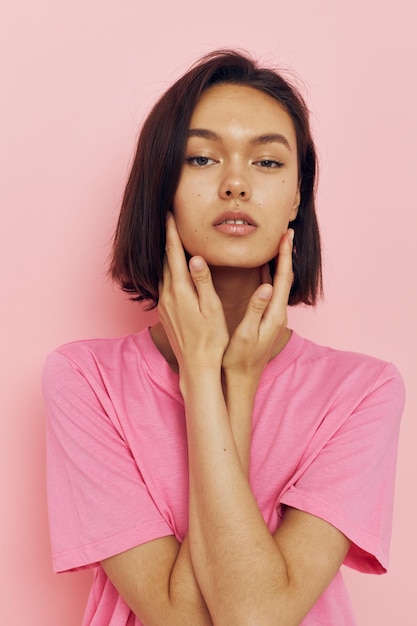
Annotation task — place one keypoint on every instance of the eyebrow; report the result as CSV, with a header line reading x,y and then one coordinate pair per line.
x,y
205,133
271,138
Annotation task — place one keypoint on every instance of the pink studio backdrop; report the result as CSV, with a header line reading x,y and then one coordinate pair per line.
x,y
78,77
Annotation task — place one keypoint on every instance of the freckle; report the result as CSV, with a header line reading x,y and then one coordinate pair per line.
x,y
224,450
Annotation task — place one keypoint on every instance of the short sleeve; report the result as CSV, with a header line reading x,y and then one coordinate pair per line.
x,y
98,503
350,483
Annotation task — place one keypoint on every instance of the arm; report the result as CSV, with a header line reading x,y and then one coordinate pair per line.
x,y
246,576
242,368
157,581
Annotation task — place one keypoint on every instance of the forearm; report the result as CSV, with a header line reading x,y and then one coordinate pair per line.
x,y
186,600
246,576
239,392
237,563
157,581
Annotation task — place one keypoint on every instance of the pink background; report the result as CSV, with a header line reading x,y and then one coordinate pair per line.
x,y
78,77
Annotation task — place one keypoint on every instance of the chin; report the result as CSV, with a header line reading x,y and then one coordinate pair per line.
x,y
231,258
241,265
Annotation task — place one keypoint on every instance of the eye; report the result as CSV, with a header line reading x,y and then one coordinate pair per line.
x,y
199,161
269,163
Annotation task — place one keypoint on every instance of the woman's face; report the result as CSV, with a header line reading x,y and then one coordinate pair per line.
x,y
239,184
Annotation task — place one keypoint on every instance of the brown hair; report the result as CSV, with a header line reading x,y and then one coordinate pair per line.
x,y
139,242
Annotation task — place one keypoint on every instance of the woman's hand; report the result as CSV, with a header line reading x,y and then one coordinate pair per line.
x,y
261,334
263,330
190,310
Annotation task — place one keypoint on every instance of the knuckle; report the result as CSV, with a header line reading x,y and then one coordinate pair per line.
x,y
259,306
245,335
202,279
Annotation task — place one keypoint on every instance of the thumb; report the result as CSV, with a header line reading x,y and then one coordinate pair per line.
x,y
260,299
255,311
201,276
199,270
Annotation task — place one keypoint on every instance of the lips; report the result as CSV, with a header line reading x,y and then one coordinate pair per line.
x,y
237,218
235,222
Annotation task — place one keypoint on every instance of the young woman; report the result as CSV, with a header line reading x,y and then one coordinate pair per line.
x,y
218,468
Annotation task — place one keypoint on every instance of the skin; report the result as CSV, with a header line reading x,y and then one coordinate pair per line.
x,y
221,321
259,180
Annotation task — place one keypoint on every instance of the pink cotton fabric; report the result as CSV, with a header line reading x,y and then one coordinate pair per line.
x,y
325,432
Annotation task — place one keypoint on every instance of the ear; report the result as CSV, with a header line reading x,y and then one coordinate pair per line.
x,y
296,204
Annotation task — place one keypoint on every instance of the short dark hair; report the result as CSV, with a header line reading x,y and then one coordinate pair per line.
x,y
139,242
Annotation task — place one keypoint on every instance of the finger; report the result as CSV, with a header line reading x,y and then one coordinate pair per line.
x,y
201,276
276,313
258,304
284,271
166,276
174,250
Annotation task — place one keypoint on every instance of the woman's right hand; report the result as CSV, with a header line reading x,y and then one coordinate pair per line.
x,y
189,308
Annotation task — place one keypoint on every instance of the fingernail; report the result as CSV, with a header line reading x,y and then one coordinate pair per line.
x,y
197,264
265,292
290,234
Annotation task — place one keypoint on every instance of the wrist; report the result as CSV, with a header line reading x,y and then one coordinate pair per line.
x,y
240,382
200,378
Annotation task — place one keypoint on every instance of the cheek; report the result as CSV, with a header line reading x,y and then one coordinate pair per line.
x,y
178,199
185,199
186,218
289,199
280,188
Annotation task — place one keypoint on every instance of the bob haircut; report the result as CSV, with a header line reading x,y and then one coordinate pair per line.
x,y
139,241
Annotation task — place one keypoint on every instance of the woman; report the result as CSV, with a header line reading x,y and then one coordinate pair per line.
x,y
218,468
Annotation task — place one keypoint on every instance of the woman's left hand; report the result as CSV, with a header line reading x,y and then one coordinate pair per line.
x,y
263,329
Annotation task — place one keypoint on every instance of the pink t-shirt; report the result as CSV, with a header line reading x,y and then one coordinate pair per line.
x,y
325,431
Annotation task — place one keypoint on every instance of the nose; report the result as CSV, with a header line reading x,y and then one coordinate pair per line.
x,y
235,185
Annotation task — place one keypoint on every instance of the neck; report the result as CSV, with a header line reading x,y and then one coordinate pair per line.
x,y
235,287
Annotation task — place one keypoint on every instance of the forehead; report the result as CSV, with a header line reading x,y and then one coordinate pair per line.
x,y
227,106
